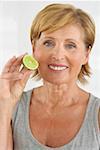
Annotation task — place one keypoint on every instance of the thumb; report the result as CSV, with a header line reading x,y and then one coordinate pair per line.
x,y
27,75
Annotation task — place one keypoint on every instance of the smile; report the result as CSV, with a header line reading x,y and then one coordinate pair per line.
x,y
56,67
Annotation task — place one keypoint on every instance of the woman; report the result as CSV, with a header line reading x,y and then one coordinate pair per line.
x,y
58,115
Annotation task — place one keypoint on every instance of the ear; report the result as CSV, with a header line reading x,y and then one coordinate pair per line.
x,y
34,52
32,43
33,47
86,56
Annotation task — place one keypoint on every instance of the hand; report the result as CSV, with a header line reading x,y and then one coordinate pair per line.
x,y
13,81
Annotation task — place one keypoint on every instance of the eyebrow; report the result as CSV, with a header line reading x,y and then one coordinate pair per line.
x,y
64,40
49,37
71,40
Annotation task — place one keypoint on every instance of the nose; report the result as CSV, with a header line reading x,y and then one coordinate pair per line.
x,y
58,55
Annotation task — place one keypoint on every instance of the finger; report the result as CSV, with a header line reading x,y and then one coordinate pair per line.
x,y
23,69
10,76
16,65
9,64
26,77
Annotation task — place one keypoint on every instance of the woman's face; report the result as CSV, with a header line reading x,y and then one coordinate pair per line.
x,y
61,54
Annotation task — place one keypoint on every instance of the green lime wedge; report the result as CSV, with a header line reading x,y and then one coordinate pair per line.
x,y
30,62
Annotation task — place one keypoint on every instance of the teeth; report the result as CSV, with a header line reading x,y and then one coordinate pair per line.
x,y
56,67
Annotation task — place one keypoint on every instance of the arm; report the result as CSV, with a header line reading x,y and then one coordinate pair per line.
x,y
10,140
12,83
5,133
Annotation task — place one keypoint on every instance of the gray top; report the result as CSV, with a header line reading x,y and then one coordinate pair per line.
x,y
88,137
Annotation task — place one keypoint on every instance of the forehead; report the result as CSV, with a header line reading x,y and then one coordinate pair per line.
x,y
74,32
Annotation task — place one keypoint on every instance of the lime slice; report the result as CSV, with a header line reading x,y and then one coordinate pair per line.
x,y
30,62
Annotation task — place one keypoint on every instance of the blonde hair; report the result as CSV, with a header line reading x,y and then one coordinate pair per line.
x,y
55,16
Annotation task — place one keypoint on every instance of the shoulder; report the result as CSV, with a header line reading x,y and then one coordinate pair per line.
x,y
97,99
99,118
25,98
21,104
97,106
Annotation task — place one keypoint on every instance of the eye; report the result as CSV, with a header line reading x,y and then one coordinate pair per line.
x,y
49,43
70,46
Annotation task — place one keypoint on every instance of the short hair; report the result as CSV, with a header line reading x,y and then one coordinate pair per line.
x,y
55,16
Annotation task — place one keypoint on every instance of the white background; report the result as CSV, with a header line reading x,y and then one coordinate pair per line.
x,y
15,22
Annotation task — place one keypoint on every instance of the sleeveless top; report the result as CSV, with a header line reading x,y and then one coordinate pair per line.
x,y
87,138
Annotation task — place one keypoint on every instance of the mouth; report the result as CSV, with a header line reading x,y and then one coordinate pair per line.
x,y
57,67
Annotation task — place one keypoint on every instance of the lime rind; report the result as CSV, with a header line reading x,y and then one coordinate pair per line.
x,y
30,62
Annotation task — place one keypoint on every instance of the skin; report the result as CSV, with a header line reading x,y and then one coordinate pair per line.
x,y
60,101
12,83
66,47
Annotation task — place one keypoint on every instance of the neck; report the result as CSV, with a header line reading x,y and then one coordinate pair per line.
x,y
58,95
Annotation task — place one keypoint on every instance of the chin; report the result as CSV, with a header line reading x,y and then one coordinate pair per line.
x,y
56,82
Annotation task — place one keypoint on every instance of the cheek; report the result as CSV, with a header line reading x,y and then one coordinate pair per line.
x,y
37,54
76,65
77,60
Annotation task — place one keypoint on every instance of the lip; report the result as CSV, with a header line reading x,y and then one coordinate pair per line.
x,y
58,65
